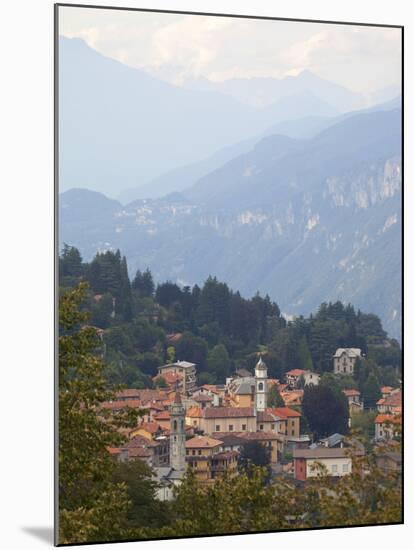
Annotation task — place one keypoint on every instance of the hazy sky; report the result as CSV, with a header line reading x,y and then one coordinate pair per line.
x,y
177,47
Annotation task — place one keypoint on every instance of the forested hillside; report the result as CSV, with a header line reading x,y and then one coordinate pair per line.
x,y
145,325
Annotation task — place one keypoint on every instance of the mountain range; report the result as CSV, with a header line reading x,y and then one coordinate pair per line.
x,y
305,219
121,129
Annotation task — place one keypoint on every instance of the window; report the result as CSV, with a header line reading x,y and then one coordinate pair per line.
x,y
244,427
194,422
334,468
175,425
345,468
261,427
199,451
193,452
230,427
272,426
217,427
260,386
293,432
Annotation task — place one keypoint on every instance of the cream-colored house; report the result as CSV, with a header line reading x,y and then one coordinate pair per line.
x,y
337,462
222,419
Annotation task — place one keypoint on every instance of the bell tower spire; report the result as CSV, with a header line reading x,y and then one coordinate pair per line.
x,y
177,434
260,374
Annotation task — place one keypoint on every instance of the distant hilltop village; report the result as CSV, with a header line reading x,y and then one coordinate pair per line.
x,y
207,428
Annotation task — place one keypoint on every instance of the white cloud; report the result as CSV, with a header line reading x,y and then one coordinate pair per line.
x,y
181,46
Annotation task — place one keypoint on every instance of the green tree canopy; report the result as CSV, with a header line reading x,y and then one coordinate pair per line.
x,y
218,361
274,399
86,491
326,410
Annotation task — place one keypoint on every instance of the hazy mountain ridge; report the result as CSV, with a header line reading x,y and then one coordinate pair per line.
x,y
116,122
261,92
185,176
304,220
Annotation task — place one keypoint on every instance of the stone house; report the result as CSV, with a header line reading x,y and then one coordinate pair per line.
x,y
344,360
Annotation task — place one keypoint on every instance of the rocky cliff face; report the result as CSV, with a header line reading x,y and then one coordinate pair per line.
x,y
305,221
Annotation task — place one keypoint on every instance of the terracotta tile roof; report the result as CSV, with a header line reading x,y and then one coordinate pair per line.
x,y
203,398
285,412
296,372
266,416
154,406
386,389
227,412
381,418
292,397
202,442
114,451
128,393
151,427
139,441
163,415
152,395
259,436
194,412
122,404
394,399
139,452
228,438
351,392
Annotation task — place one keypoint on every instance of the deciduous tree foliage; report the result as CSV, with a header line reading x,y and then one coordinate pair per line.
x,y
89,502
274,399
102,501
326,410
254,453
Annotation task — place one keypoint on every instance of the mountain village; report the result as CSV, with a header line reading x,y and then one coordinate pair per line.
x,y
184,426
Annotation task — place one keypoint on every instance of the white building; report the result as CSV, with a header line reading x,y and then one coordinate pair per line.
x,y
260,373
336,462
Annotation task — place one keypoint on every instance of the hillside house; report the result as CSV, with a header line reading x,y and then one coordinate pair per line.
x,y
293,376
391,404
344,360
387,427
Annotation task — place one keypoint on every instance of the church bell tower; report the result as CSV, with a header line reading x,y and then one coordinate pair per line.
x,y
260,374
177,434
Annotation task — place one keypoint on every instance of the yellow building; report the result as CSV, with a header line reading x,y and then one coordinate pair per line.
x,y
205,457
289,420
